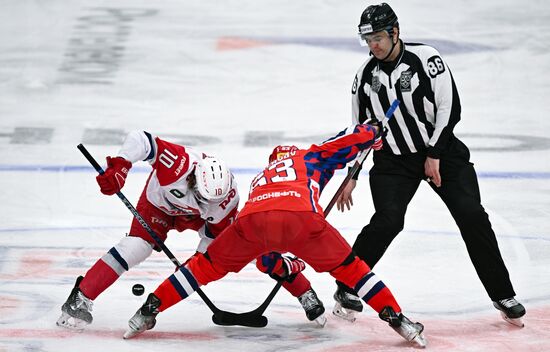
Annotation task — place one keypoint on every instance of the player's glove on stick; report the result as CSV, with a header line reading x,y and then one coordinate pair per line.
x,y
114,177
293,265
280,267
378,141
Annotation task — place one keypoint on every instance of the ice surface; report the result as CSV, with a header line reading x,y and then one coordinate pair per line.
x,y
234,78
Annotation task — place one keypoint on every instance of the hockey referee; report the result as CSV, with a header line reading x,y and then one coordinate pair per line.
x,y
419,145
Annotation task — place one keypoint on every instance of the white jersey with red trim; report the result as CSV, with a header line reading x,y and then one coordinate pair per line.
x,y
167,187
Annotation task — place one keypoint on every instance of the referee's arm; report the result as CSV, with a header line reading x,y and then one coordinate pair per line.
x,y
447,104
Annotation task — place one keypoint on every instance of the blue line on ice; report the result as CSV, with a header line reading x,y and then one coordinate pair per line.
x,y
252,171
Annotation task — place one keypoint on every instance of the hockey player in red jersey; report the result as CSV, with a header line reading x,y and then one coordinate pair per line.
x,y
186,190
283,214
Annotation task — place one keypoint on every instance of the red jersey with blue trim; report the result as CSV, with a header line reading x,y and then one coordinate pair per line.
x,y
295,181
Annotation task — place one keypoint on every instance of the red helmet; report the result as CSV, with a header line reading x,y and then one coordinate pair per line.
x,y
282,151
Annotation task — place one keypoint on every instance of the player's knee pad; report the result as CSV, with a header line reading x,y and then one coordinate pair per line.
x,y
129,252
204,270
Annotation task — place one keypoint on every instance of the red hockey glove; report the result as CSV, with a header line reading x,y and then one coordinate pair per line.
x,y
280,267
114,177
378,143
293,265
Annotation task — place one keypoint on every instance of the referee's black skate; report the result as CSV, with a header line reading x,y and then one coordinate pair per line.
x,y
346,305
313,306
410,331
511,311
145,317
75,312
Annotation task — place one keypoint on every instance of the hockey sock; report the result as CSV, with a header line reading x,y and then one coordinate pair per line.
x,y
98,278
372,290
178,286
375,293
129,252
298,286
198,271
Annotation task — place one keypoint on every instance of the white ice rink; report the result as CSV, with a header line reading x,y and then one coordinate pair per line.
x,y
235,78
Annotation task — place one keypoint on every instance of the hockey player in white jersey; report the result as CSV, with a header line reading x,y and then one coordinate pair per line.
x,y
187,189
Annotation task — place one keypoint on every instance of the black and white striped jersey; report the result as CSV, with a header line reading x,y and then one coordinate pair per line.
x,y
429,108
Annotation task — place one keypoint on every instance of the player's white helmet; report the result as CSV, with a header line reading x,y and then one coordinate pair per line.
x,y
213,179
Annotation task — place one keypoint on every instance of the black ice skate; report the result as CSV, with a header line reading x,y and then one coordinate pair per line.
x,y
346,305
313,306
75,312
410,331
145,317
511,311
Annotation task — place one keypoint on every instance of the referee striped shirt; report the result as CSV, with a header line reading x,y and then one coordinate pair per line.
x,y
429,108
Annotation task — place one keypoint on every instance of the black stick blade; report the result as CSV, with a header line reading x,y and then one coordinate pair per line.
x,y
243,319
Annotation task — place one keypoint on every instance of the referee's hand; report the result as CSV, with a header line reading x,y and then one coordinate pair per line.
x,y
431,169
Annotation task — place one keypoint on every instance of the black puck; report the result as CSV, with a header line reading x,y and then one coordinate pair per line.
x,y
138,289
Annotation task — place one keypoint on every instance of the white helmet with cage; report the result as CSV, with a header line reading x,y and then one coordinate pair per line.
x,y
213,179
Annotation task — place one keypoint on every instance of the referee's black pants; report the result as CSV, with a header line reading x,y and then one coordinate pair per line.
x,y
394,180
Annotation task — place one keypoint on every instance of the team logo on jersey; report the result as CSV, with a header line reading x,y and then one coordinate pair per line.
x,y
155,220
376,84
227,200
354,86
405,81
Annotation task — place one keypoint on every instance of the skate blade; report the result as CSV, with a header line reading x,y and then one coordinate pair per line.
x,y
71,323
321,320
344,313
420,341
514,321
130,333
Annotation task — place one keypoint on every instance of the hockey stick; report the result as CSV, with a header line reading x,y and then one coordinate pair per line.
x,y
261,309
256,315
223,317
360,160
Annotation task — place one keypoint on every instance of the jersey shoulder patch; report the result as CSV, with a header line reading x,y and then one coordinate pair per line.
x,y
172,162
435,66
429,56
